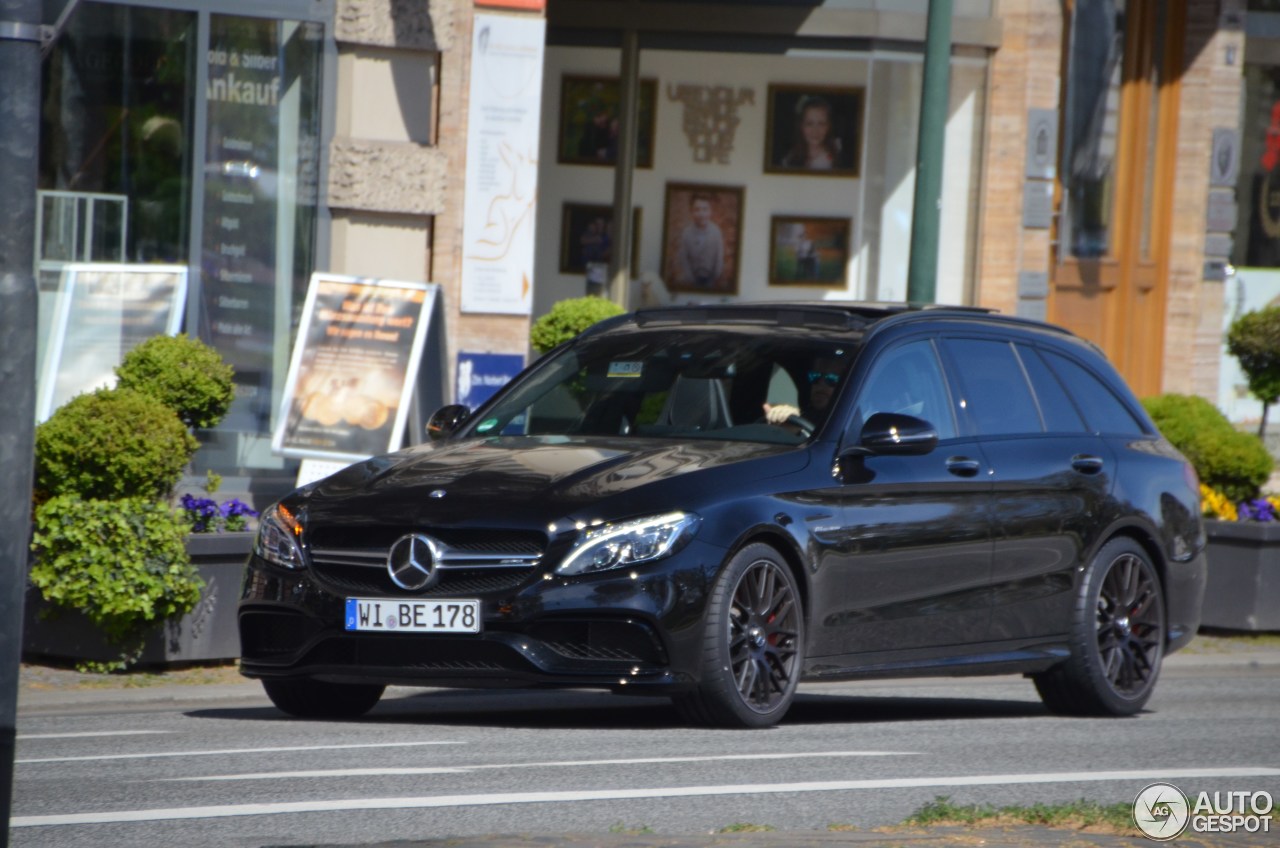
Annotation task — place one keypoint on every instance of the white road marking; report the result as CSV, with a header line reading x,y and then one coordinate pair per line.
x,y
374,772
228,751
347,804
90,734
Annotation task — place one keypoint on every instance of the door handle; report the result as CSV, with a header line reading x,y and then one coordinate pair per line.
x,y
1086,463
962,466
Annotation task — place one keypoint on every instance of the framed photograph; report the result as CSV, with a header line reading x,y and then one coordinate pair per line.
x,y
586,235
814,130
702,238
809,251
589,121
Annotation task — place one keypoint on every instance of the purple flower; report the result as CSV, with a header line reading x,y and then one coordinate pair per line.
x,y
202,513
236,514
207,516
1257,510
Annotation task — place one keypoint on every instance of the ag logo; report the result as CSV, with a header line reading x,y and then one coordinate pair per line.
x,y
1161,811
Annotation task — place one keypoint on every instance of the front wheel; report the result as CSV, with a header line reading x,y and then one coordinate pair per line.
x,y
304,698
1117,637
753,644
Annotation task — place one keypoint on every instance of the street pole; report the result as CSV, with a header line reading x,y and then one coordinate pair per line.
x,y
19,141
624,168
926,210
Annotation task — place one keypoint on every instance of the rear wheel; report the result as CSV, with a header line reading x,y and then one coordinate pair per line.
x,y
753,645
1117,637
306,698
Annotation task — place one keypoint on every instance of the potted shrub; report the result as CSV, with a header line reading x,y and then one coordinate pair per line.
x,y
568,318
1243,590
113,581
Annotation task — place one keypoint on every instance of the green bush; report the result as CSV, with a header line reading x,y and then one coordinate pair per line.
x,y
113,443
1235,463
183,373
567,319
123,563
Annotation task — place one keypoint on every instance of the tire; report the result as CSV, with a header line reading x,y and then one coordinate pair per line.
x,y
305,698
753,644
1117,637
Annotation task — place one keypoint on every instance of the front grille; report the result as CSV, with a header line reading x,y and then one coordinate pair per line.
x,y
471,562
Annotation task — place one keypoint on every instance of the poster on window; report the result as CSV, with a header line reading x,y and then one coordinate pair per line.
x,y
481,375
502,164
103,311
354,367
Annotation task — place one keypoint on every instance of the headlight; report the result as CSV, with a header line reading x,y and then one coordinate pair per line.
x,y
629,542
277,542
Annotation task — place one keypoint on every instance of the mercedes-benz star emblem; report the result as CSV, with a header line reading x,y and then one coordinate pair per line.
x,y
411,562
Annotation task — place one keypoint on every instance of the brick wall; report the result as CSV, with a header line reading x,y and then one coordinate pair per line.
x,y
1024,75
1211,92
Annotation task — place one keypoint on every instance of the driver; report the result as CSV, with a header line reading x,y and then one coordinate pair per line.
x,y
824,378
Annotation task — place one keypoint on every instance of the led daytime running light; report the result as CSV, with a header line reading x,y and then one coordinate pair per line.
x,y
616,545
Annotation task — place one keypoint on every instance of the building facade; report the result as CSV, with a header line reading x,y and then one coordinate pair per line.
x,y
1099,154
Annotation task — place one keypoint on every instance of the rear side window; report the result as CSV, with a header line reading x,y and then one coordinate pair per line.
x,y
1060,415
996,395
1104,412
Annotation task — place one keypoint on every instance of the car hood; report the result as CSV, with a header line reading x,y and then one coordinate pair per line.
x,y
484,481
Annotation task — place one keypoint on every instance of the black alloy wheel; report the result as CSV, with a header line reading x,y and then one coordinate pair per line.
x,y
753,644
1118,637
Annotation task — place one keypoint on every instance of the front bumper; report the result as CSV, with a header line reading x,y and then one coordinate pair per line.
x,y
631,630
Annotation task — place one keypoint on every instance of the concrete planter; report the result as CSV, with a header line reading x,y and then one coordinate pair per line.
x,y
1243,592
207,633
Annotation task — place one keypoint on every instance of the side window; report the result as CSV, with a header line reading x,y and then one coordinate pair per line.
x,y
996,394
1104,411
1060,414
907,379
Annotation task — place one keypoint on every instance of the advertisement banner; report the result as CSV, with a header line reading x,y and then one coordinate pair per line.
x,y
502,164
354,367
103,311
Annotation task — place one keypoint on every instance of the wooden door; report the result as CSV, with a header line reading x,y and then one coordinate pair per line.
x,y
1115,188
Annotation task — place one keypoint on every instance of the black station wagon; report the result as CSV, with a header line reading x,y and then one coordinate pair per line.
x,y
714,503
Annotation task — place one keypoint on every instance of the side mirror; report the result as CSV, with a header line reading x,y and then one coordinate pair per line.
x,y
893,434
446,420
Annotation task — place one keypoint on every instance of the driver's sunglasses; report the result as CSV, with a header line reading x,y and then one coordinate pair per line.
x,y
828,378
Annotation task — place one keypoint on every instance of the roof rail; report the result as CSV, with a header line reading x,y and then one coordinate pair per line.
x,y
816,314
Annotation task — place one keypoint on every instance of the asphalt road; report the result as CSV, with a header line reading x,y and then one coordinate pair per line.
x,y
224,768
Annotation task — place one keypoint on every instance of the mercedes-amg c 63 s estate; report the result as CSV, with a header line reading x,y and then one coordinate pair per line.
x,y
715,503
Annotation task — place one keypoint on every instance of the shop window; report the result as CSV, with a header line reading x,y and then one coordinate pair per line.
x,y
117,120
260,179
123,179
1257,235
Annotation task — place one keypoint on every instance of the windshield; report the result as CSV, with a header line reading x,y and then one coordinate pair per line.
x,y
679,383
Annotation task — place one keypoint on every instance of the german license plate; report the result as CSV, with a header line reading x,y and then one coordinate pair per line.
x,y
394,616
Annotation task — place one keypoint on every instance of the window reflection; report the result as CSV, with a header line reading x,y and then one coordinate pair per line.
x,y
1093,119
